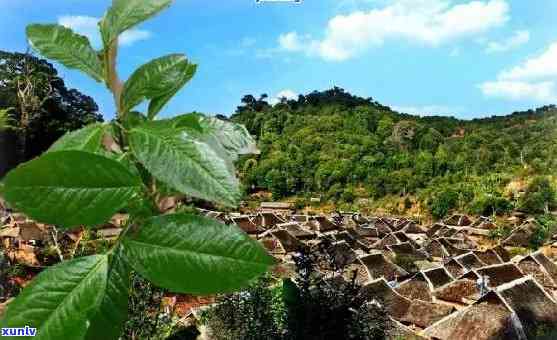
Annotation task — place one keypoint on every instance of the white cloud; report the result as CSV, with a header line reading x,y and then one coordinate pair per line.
x,y
534,79
87,26
435,110
542,66
428,22
520,90
132,36
286,93
518,39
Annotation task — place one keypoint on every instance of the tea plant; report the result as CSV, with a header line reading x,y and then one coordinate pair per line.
x,y
129,165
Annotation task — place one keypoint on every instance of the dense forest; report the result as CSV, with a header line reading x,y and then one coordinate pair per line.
x,y
355,152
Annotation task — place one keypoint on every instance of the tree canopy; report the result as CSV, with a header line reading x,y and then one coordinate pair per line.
x,y
49,108
341,146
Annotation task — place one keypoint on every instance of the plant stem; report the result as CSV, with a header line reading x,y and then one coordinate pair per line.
x,y
112,80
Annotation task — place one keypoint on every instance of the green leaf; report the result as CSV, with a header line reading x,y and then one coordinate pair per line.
x,y
125,14
158,81
108,321
60,301
195,254
70,188
175,155
66,47
233,138
133,119
87,139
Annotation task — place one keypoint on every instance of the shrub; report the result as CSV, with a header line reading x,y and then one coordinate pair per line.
x,y
501,232
146,318
540,196
490,204
313,308
250,314
546,227
348,195
442,202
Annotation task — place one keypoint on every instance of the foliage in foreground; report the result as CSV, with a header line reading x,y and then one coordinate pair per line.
x,y
129,165
315,307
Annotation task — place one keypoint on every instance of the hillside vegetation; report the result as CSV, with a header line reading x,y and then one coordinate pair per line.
x,y
357,153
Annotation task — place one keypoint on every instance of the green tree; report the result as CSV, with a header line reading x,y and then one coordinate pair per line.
x,y
41,108
540,196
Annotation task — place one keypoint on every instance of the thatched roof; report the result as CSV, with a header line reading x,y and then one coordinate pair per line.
x,y
413,228
287,241
512,311
503,253
407,249
322,224
433,229
356,271
547,264
460,291
531,303
436,249
455,268
366,231
489,256
438,276
424,313
452,246
480,321
246,224
446,231
395,304
267,220
398,331
498,274
383,227
378,266
342,253
417,312
458,220
520,236
417,287
297,230
300,218
530,265
386,241
469,261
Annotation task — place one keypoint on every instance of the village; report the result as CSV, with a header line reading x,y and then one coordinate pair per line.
x,y
455,287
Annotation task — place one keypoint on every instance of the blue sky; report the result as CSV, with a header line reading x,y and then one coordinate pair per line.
x,y
468,58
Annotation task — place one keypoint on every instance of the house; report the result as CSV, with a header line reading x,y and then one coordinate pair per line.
x,y
416,312
498,274
541,268
469,261
462,291
379,266
276,207
514,310
520,236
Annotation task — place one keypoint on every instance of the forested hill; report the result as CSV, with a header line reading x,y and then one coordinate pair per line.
x,y
342,148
